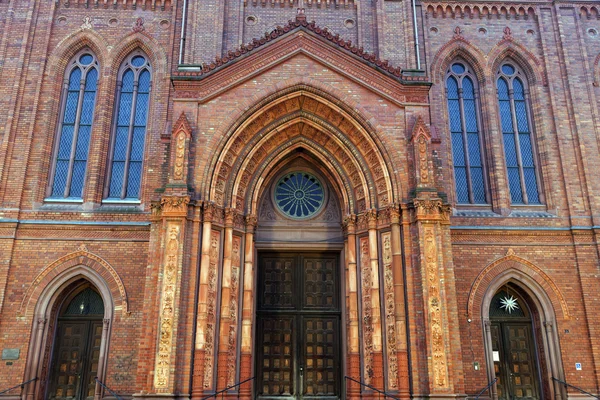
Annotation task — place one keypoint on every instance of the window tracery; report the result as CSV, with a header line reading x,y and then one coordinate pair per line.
x,y
75,128
465,130
513,102
129,129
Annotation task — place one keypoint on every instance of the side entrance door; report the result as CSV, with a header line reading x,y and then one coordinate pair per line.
x,y
513,346
298,327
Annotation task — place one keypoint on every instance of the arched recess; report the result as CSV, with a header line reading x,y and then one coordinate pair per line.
x,y
44,317
533,284
509,49
325,127
453,50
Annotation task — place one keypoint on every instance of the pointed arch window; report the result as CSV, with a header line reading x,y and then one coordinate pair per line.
x,y
465,130
129,129
513,101
75,128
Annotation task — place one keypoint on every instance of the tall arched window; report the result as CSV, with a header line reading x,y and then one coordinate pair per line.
x,y
129,129
516,131
467,146
75,128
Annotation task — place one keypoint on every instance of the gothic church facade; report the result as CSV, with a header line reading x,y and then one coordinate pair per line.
x,y
299,199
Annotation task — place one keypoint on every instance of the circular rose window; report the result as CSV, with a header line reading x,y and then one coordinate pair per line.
x,y
299,195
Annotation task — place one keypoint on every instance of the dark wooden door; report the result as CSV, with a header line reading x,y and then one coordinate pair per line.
x,y
298,327
514,360
75,363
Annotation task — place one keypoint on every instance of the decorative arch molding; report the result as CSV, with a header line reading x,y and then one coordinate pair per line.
x,y
76,260
71,45
597,71
147,44
508,48
513,267
338,178
459,48
278,106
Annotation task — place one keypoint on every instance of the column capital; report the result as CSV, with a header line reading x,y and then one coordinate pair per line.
x,y
349,224
431,208
372,218
251,222
230,214
174,205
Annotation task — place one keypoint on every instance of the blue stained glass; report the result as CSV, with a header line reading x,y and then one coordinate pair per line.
x,y
299,195
522,122
138,61
83,141
87,108
66,138
133,183
86,59
470,115
452,88
506,117
531,185
60,178
514,183
116,181
518,93
144,82
510,150
458,68
454,112
502,89
77,179
458,152
125,108
477,185
141,109
91,79
121,144
127,81
508,69
474,156
462,189
75,79
137,145
468,90
526,150
71,107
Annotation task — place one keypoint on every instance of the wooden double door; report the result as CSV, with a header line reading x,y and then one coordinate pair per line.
x,y
298,327
75,361
515,362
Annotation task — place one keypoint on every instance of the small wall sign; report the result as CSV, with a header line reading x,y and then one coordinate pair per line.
x,y
578,366
10,354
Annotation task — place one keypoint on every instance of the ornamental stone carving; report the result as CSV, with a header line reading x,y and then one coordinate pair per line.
x,y
179,156
367,284
211,310
174,205
390,319
165,344
436,333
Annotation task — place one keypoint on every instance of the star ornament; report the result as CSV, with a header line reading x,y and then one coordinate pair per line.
x,y
509,304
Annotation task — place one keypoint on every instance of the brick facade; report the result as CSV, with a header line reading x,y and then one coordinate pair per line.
x,y
262,89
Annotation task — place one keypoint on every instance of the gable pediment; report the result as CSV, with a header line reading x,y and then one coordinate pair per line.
x,y
300,38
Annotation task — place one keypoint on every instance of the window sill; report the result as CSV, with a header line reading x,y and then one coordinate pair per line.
x,y
63,200
122,202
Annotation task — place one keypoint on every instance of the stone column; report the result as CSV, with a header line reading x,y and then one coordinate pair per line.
x,y
248,308
375,301
399,305
202,313
225,300
174,213
353,356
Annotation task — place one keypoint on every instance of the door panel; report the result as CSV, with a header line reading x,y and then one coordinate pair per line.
x,y
69,354
298,323
516,369
75,364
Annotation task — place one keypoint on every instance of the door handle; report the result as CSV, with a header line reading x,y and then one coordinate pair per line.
x,y
301,370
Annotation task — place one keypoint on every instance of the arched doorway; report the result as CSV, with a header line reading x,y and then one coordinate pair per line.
x,y
515,350
298,313
77,345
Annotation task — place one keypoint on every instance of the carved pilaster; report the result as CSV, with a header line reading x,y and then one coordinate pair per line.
x,y
390,320
163,363
421,141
